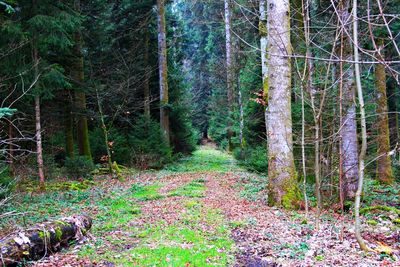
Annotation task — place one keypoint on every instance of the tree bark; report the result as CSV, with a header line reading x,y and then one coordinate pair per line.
x,y
38,126
384,163
11,163
78,76
349,144
43,239
146,84
69,126
393,95
262,28
230,76
163,71
363,151
283,187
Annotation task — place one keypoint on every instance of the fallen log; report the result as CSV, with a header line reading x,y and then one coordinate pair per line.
x,y
42,240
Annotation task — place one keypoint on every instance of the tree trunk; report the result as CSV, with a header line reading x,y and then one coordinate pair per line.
x,y
230,76
69,126
38,127
146,84
363,151
11,164
262,28
78,77
349,145
283,187
241,127
163,71
42,240
392,96
384,164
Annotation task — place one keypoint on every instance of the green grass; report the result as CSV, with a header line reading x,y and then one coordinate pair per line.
x,y
193,189
176,244
205,159
124,240
145,193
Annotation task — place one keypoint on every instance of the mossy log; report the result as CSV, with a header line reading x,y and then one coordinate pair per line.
x,y
41,240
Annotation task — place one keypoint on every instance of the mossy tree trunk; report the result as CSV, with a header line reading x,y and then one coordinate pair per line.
x,y
78,76
230,71
283,187
384,164
163,70
349,141
43,239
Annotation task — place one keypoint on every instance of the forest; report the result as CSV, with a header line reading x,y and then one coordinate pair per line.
x,y
199,133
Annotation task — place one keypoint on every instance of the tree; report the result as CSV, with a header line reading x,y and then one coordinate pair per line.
x,y
283,188
263,46
78,76
230,75
361,164
348,132
163,70
38,134
384,163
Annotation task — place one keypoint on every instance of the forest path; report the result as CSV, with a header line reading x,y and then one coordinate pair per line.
x,y
202,211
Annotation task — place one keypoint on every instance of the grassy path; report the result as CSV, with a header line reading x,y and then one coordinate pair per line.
x,y
201,211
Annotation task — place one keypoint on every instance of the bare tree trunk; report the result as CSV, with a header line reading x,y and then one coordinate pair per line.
x,y
384,164
349,144
78,76
163,70
38,134
11,148
146,84
264,64
363,151
230,76
283,187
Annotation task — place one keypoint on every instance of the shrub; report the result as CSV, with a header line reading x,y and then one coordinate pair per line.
x,y
7,183
79,167
254,159
120,148
148,147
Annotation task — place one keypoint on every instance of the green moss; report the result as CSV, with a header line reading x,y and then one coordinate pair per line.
x,y
262,28
265,90
396,221
380,207
44,234
290,199
372,222
58,233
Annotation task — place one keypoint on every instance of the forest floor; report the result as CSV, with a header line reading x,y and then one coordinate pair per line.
x,y
203,211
